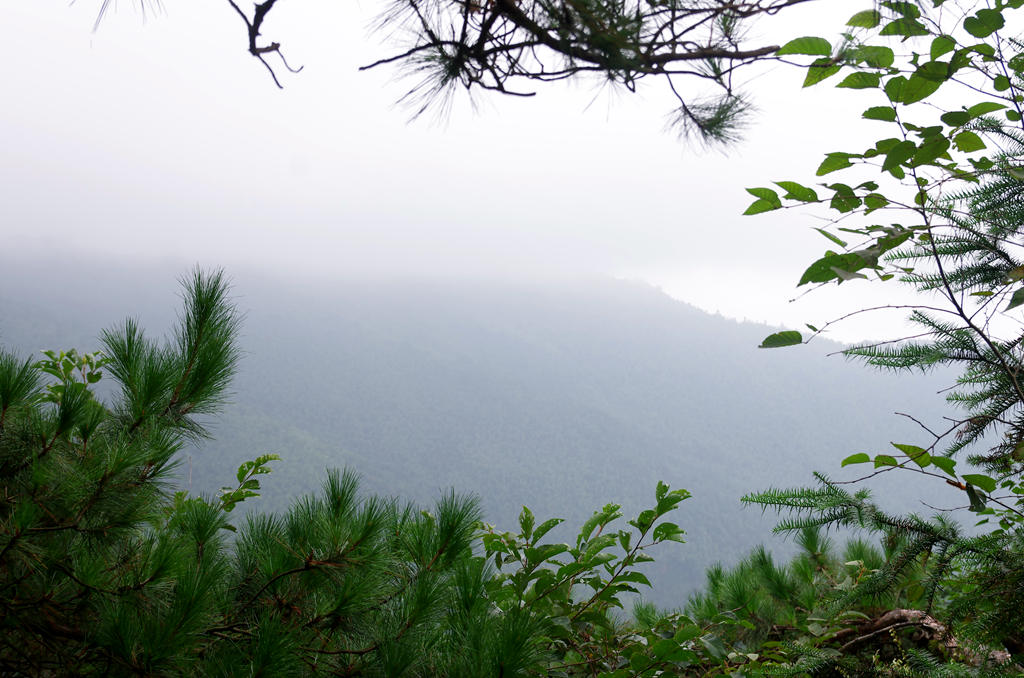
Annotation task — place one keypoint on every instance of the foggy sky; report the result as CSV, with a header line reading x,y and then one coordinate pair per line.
x,y
160,138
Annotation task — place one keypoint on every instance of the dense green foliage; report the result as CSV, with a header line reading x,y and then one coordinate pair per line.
x,y
947,181
103,570
106,572
426,385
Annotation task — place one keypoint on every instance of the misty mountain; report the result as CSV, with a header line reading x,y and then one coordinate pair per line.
x,y
559,396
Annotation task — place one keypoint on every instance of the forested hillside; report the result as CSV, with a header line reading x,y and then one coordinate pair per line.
x,y
559,396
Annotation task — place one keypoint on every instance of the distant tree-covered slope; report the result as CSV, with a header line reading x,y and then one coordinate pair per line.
x,y
560,396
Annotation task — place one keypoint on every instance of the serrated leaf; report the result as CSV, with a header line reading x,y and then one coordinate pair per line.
x,y
833,162
767,200
780,339
795,191
526,522
820,69
760,206
810,45
869,18
765,194
860,80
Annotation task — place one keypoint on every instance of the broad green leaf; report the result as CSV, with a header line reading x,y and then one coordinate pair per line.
x,y
545,527
910,90
909,10
688,632
968,142
860,80
824,269
942,45
919,455
977,502
937,71
978,480
526,522
859,458
908,28
765,194
571,569
767,200
780,339
874,201
663,648
843,274
759,206
985,107
1016,300
713,645
869,18
795,191
885,460
955,118
539,554
636,578
984,23
669,532
946,464
876,56
820,69
833,162
899,154
809,45
885,113
930,151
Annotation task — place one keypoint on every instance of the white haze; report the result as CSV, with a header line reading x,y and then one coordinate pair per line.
x,y
160,138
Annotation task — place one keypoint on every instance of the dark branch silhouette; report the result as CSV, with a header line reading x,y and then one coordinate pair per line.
x,y
253,27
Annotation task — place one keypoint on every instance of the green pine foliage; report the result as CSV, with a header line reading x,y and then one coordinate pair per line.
x,y
951,177
105,570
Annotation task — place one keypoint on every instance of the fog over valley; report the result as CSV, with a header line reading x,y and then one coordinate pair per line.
x,y
558,395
